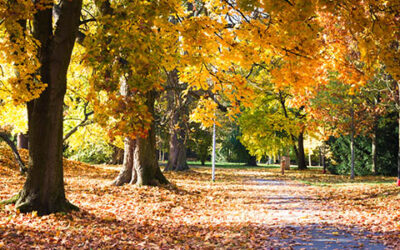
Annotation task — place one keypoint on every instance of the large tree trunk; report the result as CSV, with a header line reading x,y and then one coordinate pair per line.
x,y
301,158
140,157
398,153
145,162
126,174
177,160
178,122
44,187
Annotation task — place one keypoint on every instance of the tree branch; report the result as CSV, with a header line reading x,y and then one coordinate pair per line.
x,y
238,11
83,123
5,137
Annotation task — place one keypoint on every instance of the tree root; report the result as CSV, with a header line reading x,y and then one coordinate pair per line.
x,y
27,205
12,200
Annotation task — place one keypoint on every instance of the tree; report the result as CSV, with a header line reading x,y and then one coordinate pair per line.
x,y
280,126
178,125
374,26
344,112
233,149
43,190
130,42
200,142
140,164
124,94
378,104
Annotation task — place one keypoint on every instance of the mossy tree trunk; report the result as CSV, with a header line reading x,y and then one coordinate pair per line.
x,y
177,160
126,173
140,165
43,190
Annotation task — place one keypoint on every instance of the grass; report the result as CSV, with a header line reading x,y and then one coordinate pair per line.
x,y
312,176
315,176
234,165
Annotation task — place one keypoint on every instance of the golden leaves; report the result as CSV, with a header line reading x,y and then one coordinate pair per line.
x,y
233,212
205,112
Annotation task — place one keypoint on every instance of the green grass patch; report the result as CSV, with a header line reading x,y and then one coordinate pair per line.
x,y
234,165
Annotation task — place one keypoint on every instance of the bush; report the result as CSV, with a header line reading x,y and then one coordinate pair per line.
x,y
91,153
232,150
388,145
340,162
387,148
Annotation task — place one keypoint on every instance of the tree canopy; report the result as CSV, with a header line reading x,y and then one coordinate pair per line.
x,y
279,68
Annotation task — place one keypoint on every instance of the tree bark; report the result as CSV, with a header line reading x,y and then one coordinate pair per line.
x,y
126,174
117,156
83,123
140,157
301,158
43,190
296,151
177,160
252,161
22,141
320,156
398,153
398,156
323,157
145,155
299,152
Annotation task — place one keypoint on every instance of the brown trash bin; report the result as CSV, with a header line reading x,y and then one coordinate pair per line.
x,y
285,164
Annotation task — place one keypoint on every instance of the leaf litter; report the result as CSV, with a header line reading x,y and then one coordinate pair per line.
x,y
234,212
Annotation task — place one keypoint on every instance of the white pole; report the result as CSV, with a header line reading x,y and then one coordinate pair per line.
x,y
309,151
213,150
213,155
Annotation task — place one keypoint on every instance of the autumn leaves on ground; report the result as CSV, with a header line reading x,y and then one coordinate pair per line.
x,y
239,210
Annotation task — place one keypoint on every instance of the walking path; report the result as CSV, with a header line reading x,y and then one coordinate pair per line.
x,y
308,222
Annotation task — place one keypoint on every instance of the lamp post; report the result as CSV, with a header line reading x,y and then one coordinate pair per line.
x,y
213,153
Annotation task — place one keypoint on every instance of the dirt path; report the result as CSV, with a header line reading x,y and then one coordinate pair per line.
x,y
294,210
